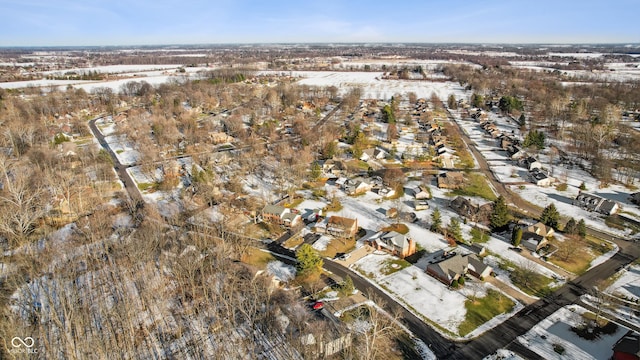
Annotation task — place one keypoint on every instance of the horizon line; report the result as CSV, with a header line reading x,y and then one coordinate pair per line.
x,y
326,43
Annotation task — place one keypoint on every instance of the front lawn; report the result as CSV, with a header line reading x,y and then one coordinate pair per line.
x,y
484,309
585,251
293,242
476,185
257,258
530,281
338,246
393,265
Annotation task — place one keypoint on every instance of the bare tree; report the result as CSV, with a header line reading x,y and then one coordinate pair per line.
x,y
22,201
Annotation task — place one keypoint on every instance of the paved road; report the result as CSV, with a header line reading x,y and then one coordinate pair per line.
x,y
121,169
498,186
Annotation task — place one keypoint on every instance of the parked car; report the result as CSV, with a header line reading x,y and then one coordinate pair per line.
x,y
516,249
318,305
344,257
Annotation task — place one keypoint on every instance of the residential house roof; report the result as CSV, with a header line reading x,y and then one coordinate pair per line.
x,y
540,229
450,267
628,344
341,221
275,210
465,207
475,264
392,239
595,203
532,241
450,179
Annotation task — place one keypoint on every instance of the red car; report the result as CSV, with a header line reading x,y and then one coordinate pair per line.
x,y
318,305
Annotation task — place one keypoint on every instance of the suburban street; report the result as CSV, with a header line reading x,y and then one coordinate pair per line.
x,y
120,169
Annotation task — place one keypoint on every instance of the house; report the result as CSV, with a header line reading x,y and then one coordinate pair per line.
x,y
452,266
450,180
533,242
530,163
395,243
595,203
419,192
280,215
373,154
423,193
386,191
343,227
516,153
357,186
628,347
540,178
333,167
541,229
475,212
420,204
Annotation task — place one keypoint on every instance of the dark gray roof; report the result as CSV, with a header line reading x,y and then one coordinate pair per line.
x,y
628,344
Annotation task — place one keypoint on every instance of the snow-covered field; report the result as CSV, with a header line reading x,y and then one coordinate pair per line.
x,y
149,74
556,329
373,86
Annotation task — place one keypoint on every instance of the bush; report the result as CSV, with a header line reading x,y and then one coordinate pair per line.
x,y
461,281
455,283
562,187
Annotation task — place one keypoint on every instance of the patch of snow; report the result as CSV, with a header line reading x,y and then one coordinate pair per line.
x,y
281,271
556,329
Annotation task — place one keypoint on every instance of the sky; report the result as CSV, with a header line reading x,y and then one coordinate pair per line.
x,y
161,22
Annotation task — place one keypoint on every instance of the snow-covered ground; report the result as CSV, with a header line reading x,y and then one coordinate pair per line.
x,y
125,150
503,354
426,295
628,284
135,73
281,271
556,329
507,171
373,86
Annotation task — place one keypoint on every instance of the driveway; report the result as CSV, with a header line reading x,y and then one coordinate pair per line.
x,y
356,255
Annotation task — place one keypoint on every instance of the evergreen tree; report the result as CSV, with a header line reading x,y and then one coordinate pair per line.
x,y
550,216
316,171
387,114
500,215
347,286
571,227
454,229
436,221
309,262
477,100
534,138
522,120
452,103
582,228
516,236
